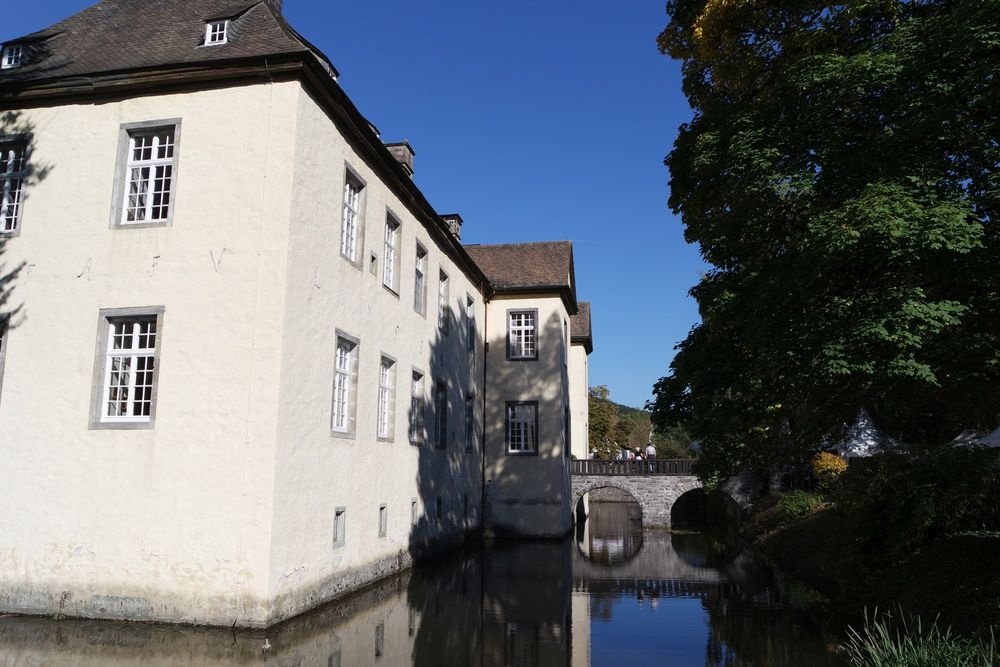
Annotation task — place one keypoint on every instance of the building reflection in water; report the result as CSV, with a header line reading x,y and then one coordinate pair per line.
x,y
640,598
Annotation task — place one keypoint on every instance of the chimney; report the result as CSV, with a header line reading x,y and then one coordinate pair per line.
x,y
454,222
403,152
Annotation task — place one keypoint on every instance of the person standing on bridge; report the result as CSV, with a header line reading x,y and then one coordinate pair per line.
x,y
650,456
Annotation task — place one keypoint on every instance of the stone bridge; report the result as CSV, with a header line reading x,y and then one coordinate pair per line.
x,y
656,485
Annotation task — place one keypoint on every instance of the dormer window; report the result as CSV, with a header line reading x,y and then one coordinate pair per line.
x,y
12,56
216,32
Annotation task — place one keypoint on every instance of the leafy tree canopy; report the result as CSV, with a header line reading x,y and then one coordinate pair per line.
x,y
840,175
614,427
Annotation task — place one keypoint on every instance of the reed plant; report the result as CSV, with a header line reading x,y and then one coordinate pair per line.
x,y
903,641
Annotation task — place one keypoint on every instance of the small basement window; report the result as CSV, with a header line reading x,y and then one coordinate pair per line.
x,y
12,56
216,32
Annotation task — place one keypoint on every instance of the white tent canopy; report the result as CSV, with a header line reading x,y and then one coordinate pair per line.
x,y
991,440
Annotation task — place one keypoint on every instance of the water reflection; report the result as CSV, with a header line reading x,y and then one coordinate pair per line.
x,y
640,599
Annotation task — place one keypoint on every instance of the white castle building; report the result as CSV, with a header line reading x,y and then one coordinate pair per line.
x,y
245,366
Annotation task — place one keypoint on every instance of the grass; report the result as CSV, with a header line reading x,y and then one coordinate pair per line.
x,y
885,641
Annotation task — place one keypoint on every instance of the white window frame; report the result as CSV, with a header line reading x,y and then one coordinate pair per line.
x,y
134,325
521,430
420,281
417,408
390,260
441,414
386,398
12,56
444,296
522,335
352,219
217,33
14,154
345,379
126,181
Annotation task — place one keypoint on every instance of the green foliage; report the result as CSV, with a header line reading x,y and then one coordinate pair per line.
x,y
886,641
899,502
797,504
614,426
840,176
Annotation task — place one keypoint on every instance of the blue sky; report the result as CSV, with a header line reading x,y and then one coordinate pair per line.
x,y
535,121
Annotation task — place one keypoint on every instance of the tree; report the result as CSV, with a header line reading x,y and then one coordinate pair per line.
x,y
603,422
840,176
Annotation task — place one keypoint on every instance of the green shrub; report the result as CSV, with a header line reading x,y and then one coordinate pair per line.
x,y
797,504
900,501
903,642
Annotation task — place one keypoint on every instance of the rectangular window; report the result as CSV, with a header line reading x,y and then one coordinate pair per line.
x,y
470,421
470,323
383,520
444,313
413,511
441,414
386,384
128,344
420,282
13,174
390,268
417,408
12,56
522,427
350,231
216,32
521,342
339,527
149,176
344,385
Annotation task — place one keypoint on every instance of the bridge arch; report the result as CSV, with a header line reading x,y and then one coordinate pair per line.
x,y
656,488
655,494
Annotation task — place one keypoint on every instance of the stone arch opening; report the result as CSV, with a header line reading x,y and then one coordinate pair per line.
x,y
609,525
580,509
700,508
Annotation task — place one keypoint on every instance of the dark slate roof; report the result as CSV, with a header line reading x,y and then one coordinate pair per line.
x,y
515,266
124,35
579,325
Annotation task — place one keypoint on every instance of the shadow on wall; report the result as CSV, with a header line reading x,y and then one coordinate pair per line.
x,y
13,126
446,509
523,489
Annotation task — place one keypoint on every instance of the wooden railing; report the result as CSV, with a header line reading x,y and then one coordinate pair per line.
x,y
636,467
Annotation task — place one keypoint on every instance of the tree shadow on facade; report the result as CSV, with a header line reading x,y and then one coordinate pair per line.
x,y
514,598
16,133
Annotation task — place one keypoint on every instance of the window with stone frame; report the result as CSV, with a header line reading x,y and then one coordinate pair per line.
x,y
13,176
420,281
441,414
522,427
444,309
390,260
351,222
149,178
128,344
386,393
416,416
522,339
344,385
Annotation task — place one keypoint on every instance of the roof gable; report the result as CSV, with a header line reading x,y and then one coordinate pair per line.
x,y
528,267
122,35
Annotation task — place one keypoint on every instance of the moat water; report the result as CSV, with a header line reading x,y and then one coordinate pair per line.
x,y
614,594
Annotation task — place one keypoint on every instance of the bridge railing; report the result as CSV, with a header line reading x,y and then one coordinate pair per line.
x,y
636,467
